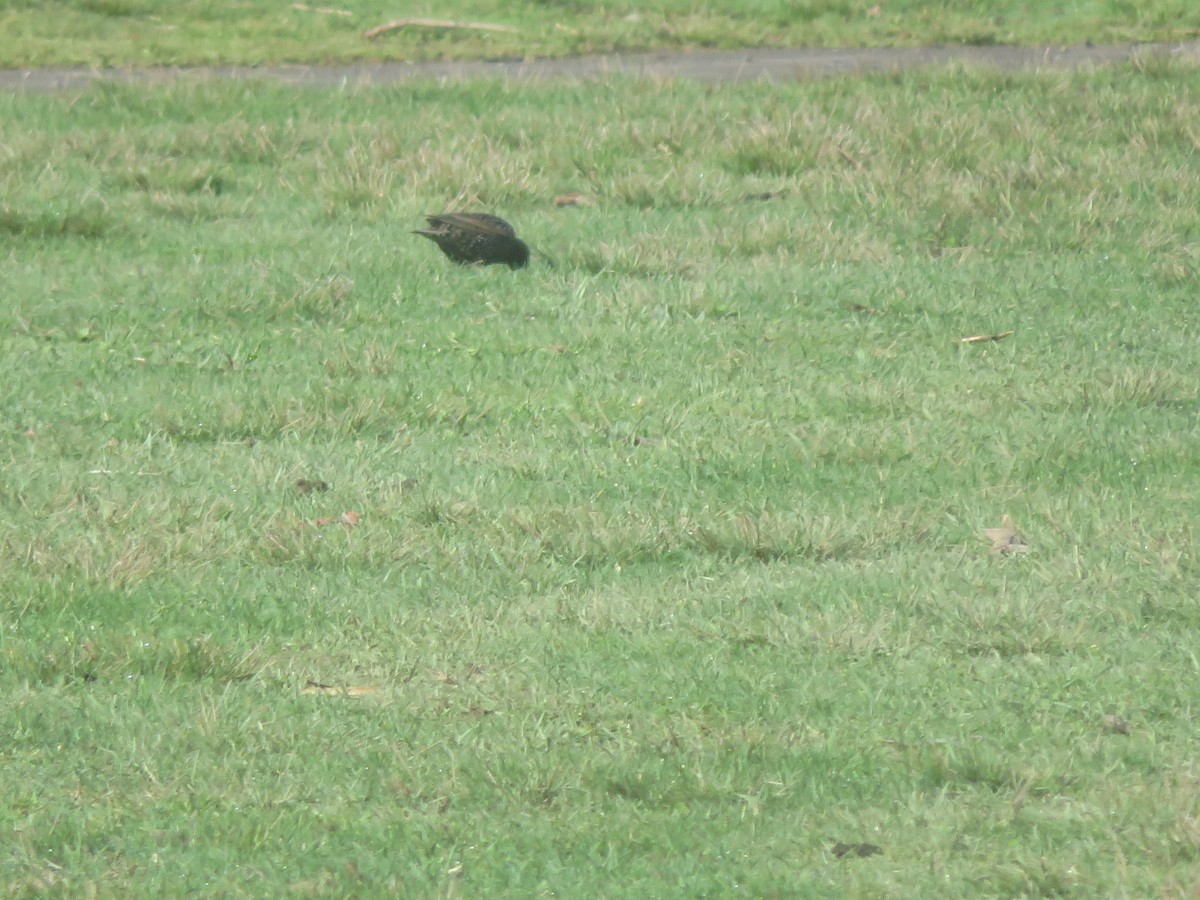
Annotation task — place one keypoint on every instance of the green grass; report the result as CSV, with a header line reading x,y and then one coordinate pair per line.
x,y
142,32
670,571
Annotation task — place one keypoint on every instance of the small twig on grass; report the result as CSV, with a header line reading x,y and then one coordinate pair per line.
x,y
434,23
323,10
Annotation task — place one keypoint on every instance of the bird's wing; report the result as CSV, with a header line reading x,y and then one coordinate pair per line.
x,y
473,223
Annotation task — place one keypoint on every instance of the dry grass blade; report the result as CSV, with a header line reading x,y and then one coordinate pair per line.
x,y
322,10
984,338
349,518
333,690
434,23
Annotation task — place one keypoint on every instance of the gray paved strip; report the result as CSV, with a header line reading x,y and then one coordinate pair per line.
x,y
710,66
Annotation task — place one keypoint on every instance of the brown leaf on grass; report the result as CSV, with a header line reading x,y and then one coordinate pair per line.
x,y
333,690
310,485
983,338
1117,724
572,199
863,849
1006,539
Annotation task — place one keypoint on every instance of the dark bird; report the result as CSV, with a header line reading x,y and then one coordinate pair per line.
x,y
476,238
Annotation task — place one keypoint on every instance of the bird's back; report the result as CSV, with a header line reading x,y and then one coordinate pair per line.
x,y
477,238
473,223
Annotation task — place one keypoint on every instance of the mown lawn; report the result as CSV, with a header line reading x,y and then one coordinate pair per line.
x,y
329,567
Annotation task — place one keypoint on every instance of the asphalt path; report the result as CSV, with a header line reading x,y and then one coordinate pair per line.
x,y
710,66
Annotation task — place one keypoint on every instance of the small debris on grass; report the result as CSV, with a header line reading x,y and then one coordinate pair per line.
x,y
762,196
361,690
863,849
1117,724
863,308
983,338
845,154
311,485
1006,539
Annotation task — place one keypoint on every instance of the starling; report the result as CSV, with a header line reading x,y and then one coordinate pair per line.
x,y
477,238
